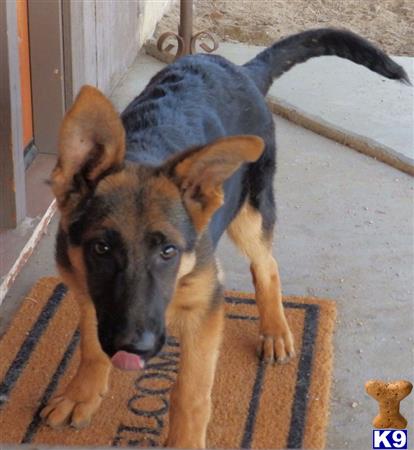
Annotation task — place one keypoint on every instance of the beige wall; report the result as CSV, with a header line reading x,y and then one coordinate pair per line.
x,y
150,13
106,36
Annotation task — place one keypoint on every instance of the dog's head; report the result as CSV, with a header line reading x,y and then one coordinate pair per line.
x,y
129,233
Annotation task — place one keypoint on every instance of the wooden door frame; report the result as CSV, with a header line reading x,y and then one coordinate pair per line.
x,y
47,69
12,170
47,63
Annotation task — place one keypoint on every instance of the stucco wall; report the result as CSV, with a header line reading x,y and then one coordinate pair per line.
x,y
150,12
105,37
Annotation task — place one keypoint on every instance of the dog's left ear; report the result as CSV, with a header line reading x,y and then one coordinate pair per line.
x,y
200,173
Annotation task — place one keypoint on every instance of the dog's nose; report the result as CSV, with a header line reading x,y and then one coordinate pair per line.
x,y
145,343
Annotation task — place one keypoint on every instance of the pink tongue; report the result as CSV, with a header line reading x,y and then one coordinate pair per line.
x,y
127,361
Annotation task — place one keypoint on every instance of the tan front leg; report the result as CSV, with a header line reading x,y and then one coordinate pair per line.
x,y
246,231
276,341
83,396
190,405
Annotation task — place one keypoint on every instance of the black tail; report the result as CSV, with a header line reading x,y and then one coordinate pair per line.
x,y
283,55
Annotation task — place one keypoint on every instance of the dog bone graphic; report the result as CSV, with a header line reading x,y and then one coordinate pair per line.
x,y
389,395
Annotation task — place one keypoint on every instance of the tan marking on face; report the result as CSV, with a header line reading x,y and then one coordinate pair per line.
x,y
187,263
163,186
124,215
126,179
161,191
156,191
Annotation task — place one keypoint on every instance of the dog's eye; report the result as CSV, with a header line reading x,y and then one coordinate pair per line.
x,y
168,251
101,248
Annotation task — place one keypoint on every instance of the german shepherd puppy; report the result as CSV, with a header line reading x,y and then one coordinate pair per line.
x,y
144,199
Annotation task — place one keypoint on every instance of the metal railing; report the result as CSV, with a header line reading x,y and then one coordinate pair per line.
x,y
185,40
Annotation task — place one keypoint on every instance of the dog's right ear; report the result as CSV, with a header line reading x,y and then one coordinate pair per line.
x,y
91,144
201,172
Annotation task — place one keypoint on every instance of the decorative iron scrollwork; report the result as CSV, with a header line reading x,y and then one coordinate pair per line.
x,y
185,42
168,47
203,45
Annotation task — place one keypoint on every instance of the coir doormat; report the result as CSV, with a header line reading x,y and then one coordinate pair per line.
x,y
254,406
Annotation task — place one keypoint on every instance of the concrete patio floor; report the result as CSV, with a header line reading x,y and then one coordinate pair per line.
x,y
345,232
347,98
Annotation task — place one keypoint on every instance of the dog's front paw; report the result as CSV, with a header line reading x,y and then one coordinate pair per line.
x,y
192,442
276,344
81,399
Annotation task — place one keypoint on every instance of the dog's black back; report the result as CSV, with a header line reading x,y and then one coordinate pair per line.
x,y
193,102
201,98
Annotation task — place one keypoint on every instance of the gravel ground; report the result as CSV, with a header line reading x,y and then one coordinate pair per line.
x,y
385,22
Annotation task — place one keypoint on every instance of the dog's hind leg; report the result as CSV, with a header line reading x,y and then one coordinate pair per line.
x,y
253,235
77,403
